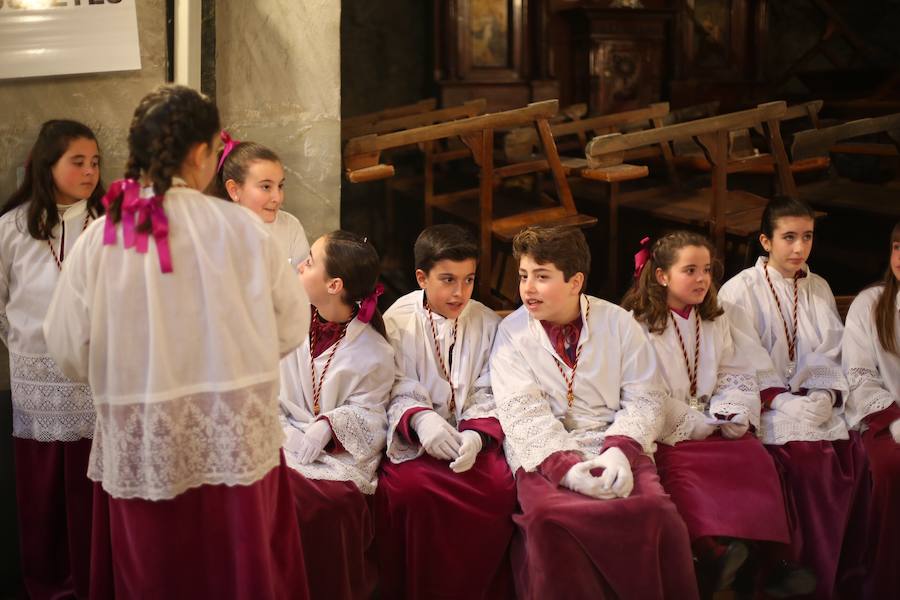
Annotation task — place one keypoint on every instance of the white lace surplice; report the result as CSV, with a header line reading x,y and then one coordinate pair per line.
x,y
183,365
47,406
617,388
725,377
872,372
353,398
420,383
754,314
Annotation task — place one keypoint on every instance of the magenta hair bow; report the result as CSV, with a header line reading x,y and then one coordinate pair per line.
x,y
368,304
134,211
226,150
642,256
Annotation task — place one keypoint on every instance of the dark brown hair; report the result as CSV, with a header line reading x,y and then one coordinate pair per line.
x,y
355,261
38,187
443,242
564,247
649,300
236,165
167,123
886,307
783,206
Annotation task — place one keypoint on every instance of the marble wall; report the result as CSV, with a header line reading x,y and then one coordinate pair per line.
x,y
278,82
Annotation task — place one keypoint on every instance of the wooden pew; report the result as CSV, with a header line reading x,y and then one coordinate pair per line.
x,y
724,211
358,125
362,163
838,192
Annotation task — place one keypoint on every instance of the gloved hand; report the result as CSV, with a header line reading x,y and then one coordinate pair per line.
x,y
617,476
436,435
895,430
579,479
804,408
308,446
700,429
736,427
468,451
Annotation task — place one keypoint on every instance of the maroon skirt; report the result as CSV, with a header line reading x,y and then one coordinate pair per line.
x,y
572,546
443,535
337,536
54,497
725,487
213,541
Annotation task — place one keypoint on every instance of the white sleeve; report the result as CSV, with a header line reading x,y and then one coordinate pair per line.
x,y
406,393
5,267
531,431
643,393
360,422
67,326
820,368
868,392
737,390
747,341
289,299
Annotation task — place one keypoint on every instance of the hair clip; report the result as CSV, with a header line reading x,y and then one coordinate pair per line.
x,y
229,146
642,257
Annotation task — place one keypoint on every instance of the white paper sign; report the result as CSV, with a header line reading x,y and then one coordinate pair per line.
x,y
62,37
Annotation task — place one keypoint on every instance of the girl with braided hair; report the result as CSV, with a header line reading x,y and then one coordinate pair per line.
x,y
709,458
179,337
53,416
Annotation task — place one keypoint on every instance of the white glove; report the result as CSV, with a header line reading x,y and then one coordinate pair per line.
x,y
895,430
814,411
736,427
468,451
700,429
617,476
308,446
579,479
437,436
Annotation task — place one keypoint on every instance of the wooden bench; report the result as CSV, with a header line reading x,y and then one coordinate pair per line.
x,y
839,192
360,124
362,163
723,211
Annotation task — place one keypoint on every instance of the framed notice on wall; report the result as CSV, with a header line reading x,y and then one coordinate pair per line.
x,y
64,37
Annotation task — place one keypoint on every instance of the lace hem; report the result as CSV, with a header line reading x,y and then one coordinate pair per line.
x,y
157,451
739,382
330,468
680,430
825,378
736,408
4,327
398,449
47,406
770,379
779,430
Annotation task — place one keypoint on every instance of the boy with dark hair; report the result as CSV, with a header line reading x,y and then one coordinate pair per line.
x,y
580,401
446,482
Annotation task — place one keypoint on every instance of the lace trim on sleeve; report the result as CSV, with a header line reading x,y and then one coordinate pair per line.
x,y
480,404
532,432
641,416
862,404
358,432
398,449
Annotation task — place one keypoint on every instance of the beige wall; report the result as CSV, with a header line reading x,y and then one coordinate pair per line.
x,y
278,83
104,101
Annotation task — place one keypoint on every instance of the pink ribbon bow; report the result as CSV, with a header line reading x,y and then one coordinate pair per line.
x,y
368,304
226,150
136,210
641,257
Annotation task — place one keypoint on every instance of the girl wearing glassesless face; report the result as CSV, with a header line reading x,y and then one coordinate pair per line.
x,y
792,315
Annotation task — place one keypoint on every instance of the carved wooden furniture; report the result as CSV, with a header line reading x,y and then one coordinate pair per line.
x,y
722,210
360,124
362,163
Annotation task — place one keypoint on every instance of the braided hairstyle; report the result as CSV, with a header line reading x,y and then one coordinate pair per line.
x,y
649,300
38,187
167,123
355,261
